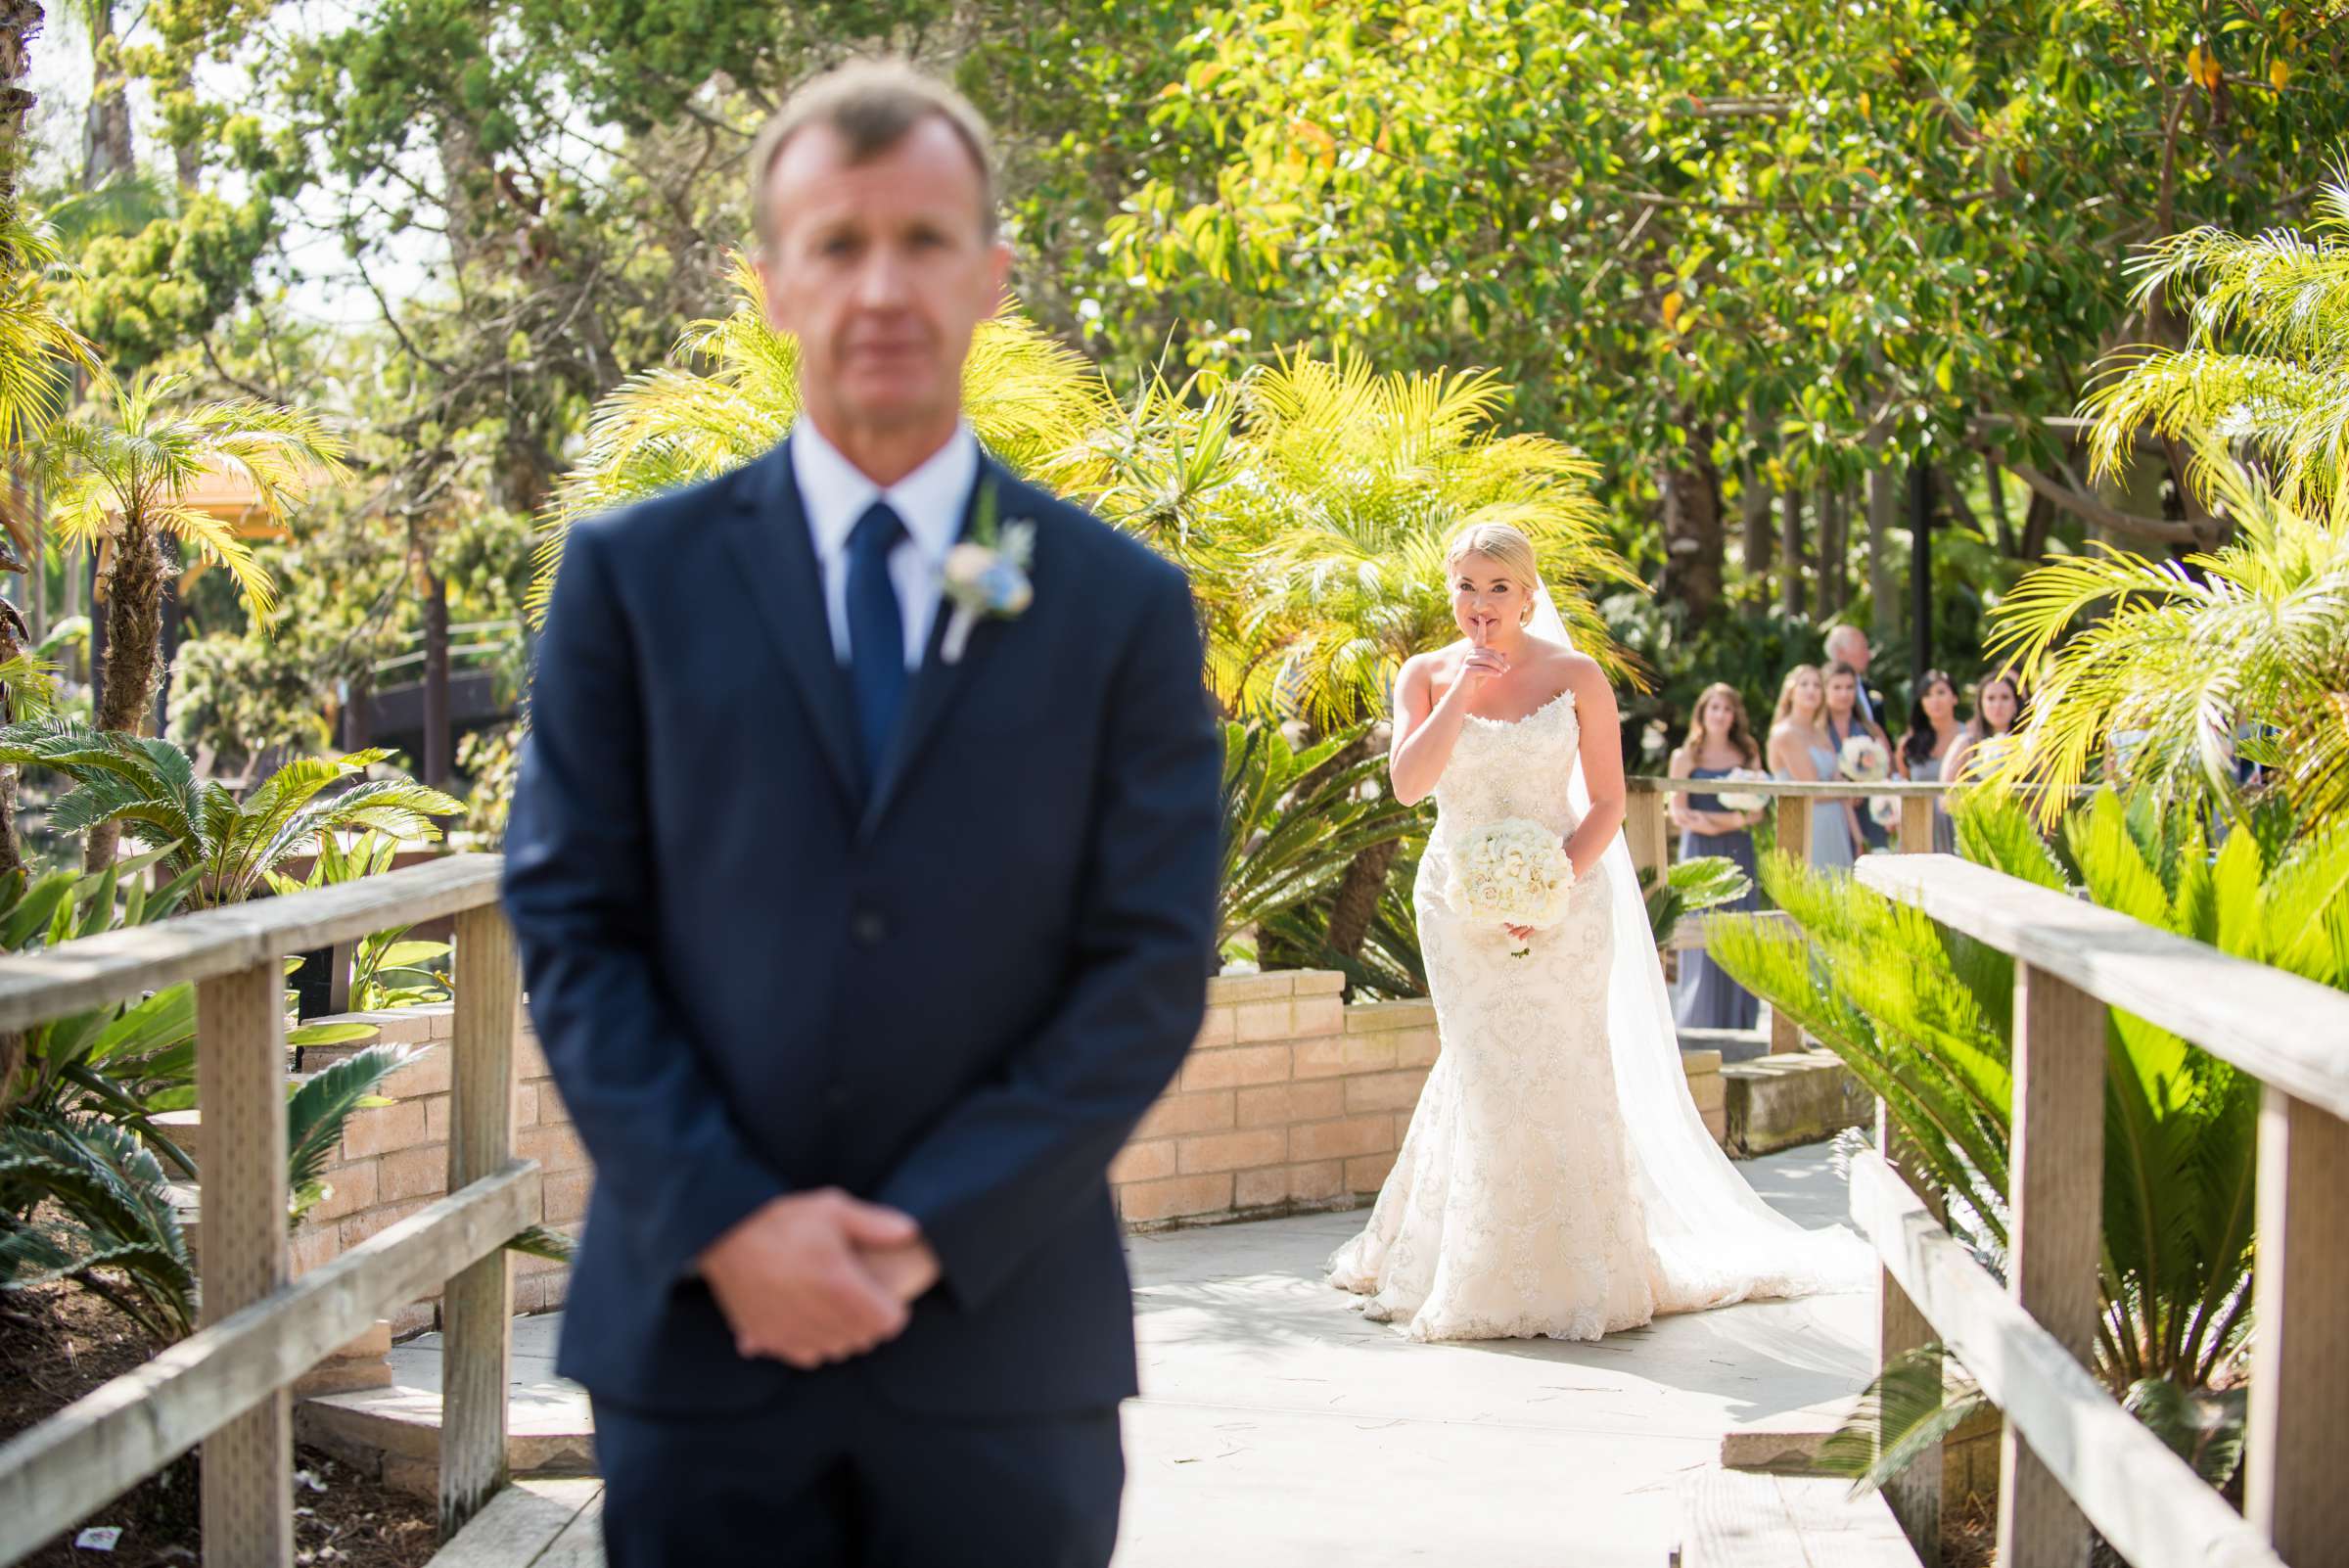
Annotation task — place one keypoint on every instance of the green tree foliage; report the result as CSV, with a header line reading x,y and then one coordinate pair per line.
x,y
2177,672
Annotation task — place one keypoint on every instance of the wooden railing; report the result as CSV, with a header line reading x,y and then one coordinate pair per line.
x,y
2072,1459
1647,827
226,1386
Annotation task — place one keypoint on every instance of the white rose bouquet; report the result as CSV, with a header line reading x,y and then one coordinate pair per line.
x,y
1885,808
1512,873
1736,801
1863,760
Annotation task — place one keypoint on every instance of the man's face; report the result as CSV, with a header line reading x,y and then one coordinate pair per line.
x,y
1853,649
882,270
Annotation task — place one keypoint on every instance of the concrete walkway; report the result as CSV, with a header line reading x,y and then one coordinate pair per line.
x,y
1279,1429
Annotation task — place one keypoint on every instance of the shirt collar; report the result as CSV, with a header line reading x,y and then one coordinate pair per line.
x,y
835,492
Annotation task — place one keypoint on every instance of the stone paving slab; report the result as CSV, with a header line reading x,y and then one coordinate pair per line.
x,y
1279,1429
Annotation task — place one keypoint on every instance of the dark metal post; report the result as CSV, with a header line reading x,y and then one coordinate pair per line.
x,y
1920,566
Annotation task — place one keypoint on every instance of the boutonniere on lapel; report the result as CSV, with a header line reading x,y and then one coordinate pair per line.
x,y
986,574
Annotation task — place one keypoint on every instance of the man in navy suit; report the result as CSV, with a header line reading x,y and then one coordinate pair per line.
x,y
859,931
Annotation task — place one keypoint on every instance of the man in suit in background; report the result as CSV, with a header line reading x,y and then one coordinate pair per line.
x,y
1848,644
861,927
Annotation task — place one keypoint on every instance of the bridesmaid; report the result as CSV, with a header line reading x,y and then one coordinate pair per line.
x,y
1845,718
1934,738
1718,743
1998,708
1801,749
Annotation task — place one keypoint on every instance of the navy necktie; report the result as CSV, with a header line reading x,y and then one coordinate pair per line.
x,y
876,631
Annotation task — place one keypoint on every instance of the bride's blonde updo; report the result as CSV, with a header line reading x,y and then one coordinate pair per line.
x,y
1506,548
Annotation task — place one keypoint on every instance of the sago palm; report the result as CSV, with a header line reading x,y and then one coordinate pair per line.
x,y
120,480
1925,1017
732,390
1293,821
150,787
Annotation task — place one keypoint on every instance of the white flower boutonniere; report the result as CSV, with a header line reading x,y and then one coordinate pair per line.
x,y
986,574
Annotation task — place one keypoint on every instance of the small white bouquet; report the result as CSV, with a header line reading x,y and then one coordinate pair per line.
x,y
1737,801
1513,872
1885,808
1863,760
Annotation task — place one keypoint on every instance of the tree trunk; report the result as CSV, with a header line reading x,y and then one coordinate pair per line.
x,y
173,620
465,184
1883,567
134,631
94,661
1790,551
2037,518
357,715
13,640
106,151
1355,908
1761,536
20,24
2135,486
1920,565
1994,485
1692,525
1834,551
435,680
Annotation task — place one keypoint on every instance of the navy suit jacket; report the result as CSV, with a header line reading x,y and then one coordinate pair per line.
x,y
952,988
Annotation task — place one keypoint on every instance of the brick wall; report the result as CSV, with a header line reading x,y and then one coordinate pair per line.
x,y
1291,1100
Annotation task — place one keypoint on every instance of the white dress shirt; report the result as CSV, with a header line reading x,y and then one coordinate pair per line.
x,y
930,501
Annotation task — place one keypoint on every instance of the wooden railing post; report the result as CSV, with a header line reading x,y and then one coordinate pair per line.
x,y
476,1307
248,1493
2299,1421
1915,1495
1916,824
1647,827
2054,1236
1794,843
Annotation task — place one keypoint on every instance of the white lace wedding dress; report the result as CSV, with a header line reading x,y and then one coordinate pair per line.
x,y
1524,1203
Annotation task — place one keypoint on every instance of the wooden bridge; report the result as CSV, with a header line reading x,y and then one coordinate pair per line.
x,y
2073,1462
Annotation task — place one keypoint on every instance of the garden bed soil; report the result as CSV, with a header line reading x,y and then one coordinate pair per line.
x,y
57,1343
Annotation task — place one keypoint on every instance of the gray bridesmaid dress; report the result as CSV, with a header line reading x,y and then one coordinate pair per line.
x,y
1705,996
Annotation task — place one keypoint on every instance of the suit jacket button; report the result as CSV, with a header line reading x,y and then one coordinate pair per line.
x,y
868,927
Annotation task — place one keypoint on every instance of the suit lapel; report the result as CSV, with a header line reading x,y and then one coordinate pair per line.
x,y
779,567
937,683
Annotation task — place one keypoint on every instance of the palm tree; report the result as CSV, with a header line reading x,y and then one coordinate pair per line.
x,y
1358,482
231,845
1030,401
37,344
2241,650
1364,480
120,481
2282,390
38,347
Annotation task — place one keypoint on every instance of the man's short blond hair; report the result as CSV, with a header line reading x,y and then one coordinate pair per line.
x,y
871,105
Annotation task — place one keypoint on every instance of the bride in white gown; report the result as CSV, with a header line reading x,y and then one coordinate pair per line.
x,y
1556,1179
